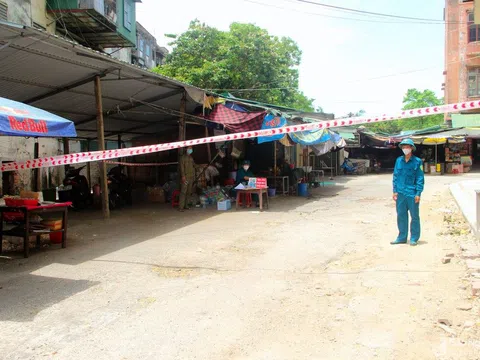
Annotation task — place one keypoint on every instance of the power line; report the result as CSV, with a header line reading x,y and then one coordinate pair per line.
x,y
353,81
367,12
373,20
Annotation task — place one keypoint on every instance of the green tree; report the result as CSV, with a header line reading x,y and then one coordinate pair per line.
x,y
355,114
244,61
413,99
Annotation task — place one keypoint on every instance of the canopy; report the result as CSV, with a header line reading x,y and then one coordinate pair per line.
x,y
310,137
18,119
236,121
272,122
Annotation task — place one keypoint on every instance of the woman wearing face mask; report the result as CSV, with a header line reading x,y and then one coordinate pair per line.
x,y
244,173
408,184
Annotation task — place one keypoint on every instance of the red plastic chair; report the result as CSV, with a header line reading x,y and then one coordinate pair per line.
x,y
247,198
175,198
229,182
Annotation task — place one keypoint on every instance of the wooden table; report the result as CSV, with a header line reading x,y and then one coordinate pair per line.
x,y
25,233
259,192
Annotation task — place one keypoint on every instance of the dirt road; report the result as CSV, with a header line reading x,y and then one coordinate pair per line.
x,y
309,279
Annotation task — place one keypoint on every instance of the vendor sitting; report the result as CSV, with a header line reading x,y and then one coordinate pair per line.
x,y
244,173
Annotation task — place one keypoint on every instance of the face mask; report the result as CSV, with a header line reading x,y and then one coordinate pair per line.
x,y
246,167
189,151
407,151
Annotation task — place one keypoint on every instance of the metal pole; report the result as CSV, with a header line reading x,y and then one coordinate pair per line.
x,y
331,165
101,147
119,144
209,150
36,172
275,165
66,150
336,164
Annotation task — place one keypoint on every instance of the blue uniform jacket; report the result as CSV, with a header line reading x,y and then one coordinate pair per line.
x,y
408,177
241,173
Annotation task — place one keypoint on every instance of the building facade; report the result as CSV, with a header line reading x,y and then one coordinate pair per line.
x,y
147,53
112,28
462,59
98,24
30,13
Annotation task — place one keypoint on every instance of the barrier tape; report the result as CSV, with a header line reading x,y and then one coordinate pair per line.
x,y
140,164
78,158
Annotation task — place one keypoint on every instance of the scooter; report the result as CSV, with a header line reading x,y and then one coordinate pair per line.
x,y
119,189
80,193
351,168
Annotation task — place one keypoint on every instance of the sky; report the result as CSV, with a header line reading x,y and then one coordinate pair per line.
x,y
347,65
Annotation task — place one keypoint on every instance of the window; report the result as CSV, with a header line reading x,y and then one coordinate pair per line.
x,y
473,29
140,48
148,51
3,11
474,82
127,14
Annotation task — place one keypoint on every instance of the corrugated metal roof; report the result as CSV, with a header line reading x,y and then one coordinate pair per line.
x,y
34,63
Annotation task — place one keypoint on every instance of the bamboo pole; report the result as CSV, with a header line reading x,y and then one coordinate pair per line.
x,y
101,147
89,169
181,133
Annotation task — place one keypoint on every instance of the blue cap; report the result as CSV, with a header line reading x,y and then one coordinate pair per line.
x,y
407,142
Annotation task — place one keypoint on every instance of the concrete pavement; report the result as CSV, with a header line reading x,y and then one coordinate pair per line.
x,y
308,279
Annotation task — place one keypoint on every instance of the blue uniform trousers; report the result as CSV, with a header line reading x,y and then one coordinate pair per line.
x,y
406,204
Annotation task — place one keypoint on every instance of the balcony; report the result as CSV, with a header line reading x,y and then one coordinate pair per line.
x,y
93,23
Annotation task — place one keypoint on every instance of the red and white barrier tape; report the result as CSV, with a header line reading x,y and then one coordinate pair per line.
x,y
140,164
72,159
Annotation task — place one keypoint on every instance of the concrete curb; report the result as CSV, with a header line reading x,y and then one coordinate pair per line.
x,y
465,196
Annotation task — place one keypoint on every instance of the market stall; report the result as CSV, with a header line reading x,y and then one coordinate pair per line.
x,y
458,157
23,219
451,153
25,215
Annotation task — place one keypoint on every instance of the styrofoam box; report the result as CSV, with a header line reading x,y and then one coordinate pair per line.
x,y
224,205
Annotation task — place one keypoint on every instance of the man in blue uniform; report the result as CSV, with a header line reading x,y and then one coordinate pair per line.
x,y
408,183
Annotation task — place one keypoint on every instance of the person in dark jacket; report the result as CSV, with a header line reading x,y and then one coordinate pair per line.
x,y
244,173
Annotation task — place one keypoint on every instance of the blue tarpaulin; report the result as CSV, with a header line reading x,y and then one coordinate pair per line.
x,y
17,119
235,106
272,122
313,137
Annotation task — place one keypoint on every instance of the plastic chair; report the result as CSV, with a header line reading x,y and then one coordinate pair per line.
x,y
229,182
175,198
247,198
